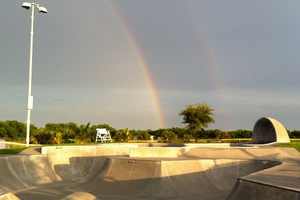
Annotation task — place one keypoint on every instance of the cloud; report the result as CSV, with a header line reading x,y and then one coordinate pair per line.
x,y
239,57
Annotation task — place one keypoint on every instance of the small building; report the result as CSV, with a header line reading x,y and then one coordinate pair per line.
x,y
152,137
2,145
135,137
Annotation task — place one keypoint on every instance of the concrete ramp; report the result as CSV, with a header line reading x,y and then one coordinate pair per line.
x,y
252,190
9,196
81,163
111,172
269,130
18,173
168,179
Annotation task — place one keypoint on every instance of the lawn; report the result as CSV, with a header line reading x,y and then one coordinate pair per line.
x,y
295,145
17,150
12,150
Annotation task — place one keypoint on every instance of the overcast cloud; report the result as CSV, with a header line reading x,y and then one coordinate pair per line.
x,y
240,57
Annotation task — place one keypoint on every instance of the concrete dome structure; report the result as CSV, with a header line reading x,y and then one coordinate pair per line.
x,y
269,130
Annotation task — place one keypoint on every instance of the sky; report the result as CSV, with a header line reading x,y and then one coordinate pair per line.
x,y
138,63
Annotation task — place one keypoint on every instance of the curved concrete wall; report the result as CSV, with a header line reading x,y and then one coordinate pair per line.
x,y
107,172
268,130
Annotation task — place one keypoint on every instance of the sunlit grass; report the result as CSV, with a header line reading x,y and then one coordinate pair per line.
x,y
295,145
12,150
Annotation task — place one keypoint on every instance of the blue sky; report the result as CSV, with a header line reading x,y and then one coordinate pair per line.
x,y
240,57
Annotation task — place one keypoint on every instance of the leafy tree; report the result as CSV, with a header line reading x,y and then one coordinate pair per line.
x,y
70,132
294,133
156,133
126,134
169,135
187,136
197,116
144,135
134,133
16,129
118,137
179,131
241,133
224,135
13,130
122,135
216,133
42,136
85,133
3,130
58,138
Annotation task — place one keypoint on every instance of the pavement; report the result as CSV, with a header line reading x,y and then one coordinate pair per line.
x,y
133,172
31,151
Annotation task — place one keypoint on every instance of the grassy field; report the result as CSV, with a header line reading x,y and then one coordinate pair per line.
x,y
293,144
12,150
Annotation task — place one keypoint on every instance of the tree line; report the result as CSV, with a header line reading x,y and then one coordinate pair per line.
x,y
57,133
196,116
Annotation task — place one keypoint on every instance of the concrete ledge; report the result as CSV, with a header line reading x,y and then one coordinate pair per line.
x,y
151,152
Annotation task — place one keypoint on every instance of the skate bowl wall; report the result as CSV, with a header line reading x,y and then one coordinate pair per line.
x,y
269,130
169,179
111,172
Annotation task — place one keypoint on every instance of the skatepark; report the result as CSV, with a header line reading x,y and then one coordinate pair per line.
x,y
158,171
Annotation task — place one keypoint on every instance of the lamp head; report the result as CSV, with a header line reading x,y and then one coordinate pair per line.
x,y
42,9
26,5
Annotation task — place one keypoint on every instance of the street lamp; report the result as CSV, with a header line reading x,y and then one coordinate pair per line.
x,y
27,6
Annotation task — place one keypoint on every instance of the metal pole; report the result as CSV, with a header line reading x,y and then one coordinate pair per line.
x,y
30,98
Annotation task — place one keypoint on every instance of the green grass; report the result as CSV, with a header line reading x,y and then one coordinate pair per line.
x,y
12,150
295,145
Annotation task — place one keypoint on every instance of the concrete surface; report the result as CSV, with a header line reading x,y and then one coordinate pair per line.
x,y
31,151
132,172
268,130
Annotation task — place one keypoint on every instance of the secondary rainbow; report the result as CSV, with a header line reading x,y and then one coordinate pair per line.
x,y
141,61
207,47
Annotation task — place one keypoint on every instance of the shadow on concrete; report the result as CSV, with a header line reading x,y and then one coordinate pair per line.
x,y
108,172
253,190
127,178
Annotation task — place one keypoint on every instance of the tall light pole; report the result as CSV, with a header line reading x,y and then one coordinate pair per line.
x,y
27,6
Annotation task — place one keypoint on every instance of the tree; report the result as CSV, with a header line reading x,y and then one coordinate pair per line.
x,y
42,136
85,133
169,135
144,135
126,134
58,138
197,116
122,135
